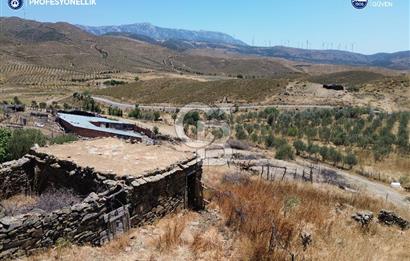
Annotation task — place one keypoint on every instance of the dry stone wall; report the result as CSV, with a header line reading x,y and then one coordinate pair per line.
x,y
112,203
15,177
163,191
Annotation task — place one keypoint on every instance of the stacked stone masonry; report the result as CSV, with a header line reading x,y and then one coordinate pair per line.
x,y
111,203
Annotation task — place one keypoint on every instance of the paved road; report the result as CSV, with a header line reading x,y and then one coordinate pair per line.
x,y
225,107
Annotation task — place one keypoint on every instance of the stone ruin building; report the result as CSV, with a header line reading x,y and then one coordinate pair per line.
x,y
119,185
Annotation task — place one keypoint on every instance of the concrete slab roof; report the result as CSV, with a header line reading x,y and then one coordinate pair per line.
x,y
117,156
85,122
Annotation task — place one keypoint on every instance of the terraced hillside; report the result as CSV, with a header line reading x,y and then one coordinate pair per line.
x,y
35,75
64,46
48,59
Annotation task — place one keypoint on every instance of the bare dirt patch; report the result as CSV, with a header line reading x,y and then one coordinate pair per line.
x,y
117,156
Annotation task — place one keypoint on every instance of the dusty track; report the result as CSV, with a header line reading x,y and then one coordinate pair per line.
x,y
225,107
334,176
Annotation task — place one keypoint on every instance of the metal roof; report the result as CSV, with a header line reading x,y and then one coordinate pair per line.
x,y
85,123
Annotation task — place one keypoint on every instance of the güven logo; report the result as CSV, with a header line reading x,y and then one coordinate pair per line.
x,y
359,4
15,4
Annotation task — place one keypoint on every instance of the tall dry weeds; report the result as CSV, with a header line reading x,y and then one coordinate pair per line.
x,y
273,216
171,235
209,243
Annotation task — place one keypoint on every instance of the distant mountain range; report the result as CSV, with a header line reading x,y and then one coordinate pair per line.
x,y
398,60
90,49
184,40
164,34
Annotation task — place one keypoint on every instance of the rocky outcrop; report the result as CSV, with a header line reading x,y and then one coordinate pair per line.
x,y
364,217
390,218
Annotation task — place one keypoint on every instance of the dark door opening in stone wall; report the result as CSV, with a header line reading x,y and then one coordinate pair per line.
x,y
118,223
194,192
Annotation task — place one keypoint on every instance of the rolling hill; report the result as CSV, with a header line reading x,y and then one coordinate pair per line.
x,y
397,61
60,55
67,47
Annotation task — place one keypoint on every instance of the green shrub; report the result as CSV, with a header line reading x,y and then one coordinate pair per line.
x,y
241,134
404,180
192,118
324,153
114,111
157,116
350,160
299,146
269,141
22,140
5,135
114,82
136,112
284,152
65,138
335,156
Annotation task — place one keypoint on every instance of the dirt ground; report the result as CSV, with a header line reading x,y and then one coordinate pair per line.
x,y
111,155
307,93
47,126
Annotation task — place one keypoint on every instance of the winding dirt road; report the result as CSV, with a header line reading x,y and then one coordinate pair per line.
x,y
225,107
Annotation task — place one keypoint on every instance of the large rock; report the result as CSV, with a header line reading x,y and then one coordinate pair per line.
x,y
92,197
11,222
363,217
390,218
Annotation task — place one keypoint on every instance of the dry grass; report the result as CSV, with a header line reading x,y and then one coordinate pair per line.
x,y
48,201
64,250
15,203
171,236
19,200
181,91
347,77
118,245
249,219
271,217
207,245
389,169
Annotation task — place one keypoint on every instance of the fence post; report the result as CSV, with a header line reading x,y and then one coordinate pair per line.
x,y
268,173
284,174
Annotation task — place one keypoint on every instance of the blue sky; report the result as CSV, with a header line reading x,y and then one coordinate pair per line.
x,y
324,24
